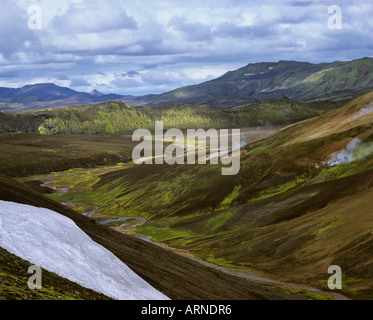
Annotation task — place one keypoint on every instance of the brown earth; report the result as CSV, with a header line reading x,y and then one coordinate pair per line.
x,y
175,276
293,236
25,154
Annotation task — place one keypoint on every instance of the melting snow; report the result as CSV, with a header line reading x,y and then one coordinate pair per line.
x,y
55,243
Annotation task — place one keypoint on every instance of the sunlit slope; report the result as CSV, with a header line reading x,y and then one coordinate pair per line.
x,y
276,164
117,118
299,203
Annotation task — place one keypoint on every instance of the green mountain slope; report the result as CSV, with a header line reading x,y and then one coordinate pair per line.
x,y
178,277
117,117
296,80
300,203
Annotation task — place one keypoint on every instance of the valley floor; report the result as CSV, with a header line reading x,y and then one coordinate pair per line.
x,y
299,204
177,277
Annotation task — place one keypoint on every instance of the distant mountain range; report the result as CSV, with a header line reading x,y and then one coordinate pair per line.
x,y
49,95
301,81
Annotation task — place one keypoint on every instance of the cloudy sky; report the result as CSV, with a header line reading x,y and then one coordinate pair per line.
x,y
152,46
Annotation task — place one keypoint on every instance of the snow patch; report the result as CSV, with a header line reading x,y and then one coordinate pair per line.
x,y
55,243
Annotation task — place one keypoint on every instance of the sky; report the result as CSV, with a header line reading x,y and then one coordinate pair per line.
x,y
140,47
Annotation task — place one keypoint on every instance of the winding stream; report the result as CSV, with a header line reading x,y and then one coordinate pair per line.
x,y
133,222
128,224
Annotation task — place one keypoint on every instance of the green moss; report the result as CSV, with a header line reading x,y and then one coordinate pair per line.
x,y
70,170
218,221
312,295
348,281
271,191
226,203
336,221
339,171
14,278
163,234
220,261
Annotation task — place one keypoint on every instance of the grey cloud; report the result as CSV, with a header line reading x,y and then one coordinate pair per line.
x,y
62,77
132,72
151,65
124,83
79,83
159,78
195,31
229,29
149,45
97,16
301,3
9,74
14,31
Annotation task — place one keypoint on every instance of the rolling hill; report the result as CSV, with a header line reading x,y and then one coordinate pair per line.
x,y
300,203
177,277
116,117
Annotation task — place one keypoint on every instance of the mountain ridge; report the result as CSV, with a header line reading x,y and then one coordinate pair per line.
x,y
302,81
297,80
49,95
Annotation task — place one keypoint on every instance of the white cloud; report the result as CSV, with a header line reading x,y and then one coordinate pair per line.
x,y
93,17
195,39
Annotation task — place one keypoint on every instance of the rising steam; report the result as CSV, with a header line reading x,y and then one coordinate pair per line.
x,y
363,112
355,150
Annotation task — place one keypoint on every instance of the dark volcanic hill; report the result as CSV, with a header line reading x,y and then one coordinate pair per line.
x,y
49,95
45,91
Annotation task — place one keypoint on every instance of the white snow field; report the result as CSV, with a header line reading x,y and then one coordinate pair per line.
x,y
54,242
